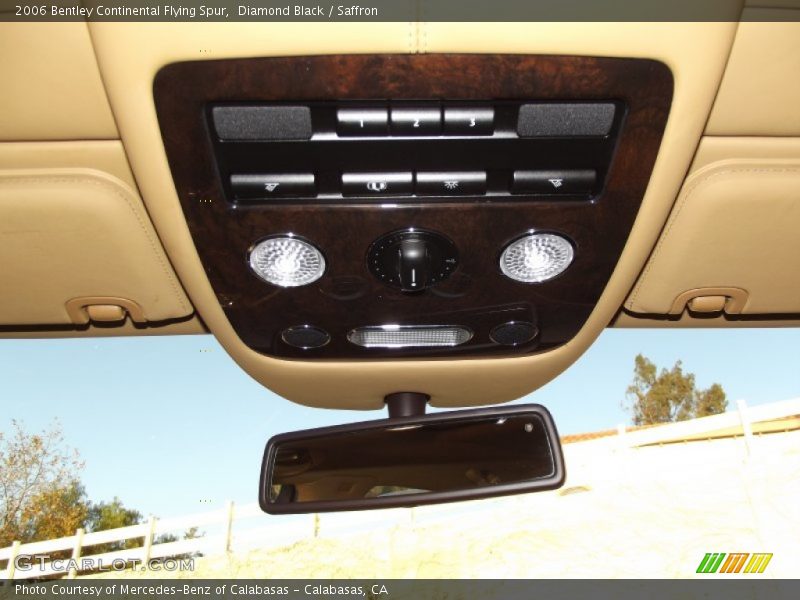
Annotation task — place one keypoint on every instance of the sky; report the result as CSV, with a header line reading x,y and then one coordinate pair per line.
x,y
171,425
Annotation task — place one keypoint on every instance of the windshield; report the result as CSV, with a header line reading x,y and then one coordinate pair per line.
x,y
172,427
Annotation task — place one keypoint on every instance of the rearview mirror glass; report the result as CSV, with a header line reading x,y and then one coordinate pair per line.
x,y
409,461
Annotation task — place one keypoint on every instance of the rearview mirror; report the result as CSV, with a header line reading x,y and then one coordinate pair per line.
x,y
409,461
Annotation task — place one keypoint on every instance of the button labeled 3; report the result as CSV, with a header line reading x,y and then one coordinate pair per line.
x,y
478,120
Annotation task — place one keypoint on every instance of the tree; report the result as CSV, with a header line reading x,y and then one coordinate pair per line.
x,y
40,492
711,401
55,513
41,496
111,515
669,395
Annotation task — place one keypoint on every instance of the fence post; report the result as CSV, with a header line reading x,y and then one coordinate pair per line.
x,y
148,540
622,437
76,553
744,417
12,560
229,527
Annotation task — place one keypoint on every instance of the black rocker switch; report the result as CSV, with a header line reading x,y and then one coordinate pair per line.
x,y
567,181
412,264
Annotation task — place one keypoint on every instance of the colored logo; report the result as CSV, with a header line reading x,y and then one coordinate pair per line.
x,y
736,562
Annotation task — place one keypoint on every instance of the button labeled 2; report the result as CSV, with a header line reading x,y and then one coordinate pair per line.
x,y
416,120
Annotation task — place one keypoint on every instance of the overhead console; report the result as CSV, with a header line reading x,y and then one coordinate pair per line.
x,y
411,205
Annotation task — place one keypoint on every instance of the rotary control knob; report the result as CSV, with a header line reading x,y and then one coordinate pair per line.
x,y
412,259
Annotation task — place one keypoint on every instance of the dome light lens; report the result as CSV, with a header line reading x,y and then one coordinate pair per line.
x,y
537,257
287,261
409,336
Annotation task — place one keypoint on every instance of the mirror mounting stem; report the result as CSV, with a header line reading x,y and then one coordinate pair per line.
x,y
406,404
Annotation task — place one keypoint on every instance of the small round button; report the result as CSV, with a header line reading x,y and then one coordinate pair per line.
x,y
305,337
514,333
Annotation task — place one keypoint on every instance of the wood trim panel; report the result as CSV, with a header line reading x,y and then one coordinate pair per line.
x,y
477,295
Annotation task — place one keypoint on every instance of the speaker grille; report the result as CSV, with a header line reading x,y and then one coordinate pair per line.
x,y
305,337
514,333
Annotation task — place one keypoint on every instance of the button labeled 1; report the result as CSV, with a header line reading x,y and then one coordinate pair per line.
x,y
362,121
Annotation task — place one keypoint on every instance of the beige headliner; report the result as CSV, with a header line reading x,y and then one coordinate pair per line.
x,y
51,86
760,92
130,54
